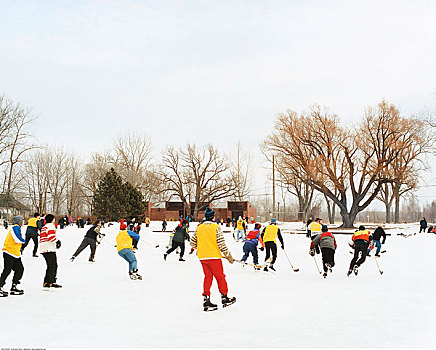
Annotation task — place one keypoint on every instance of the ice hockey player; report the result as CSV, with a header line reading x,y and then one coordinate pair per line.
x,y
164,225
269,237
309,221
211,247
378,233
125,250
250,245
180,235
48,245
360,243
12,258
422,225
240,229
90,240
34,226
327,243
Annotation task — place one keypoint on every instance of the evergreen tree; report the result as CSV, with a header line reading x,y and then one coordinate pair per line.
x,y
114,199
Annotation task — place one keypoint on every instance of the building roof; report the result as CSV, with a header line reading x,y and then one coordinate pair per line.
x,y
13,203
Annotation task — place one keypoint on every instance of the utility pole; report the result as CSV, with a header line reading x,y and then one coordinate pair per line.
x,y
274,186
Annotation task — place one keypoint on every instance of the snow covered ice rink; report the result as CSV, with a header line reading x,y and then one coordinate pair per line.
x,y
100,307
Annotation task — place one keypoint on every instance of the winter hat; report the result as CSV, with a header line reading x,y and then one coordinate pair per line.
x,y
209,213
324,228
18,220
273,220
123,226
361,228
257,226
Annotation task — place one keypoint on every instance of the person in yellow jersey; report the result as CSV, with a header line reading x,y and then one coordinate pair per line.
x,y
269,237
34,226
125,250
315,230
240,229
360,242
211,247
12,258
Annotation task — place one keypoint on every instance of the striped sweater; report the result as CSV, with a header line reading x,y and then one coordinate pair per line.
x,y
48,239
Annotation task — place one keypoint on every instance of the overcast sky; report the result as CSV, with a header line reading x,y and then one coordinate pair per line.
x,y
210,71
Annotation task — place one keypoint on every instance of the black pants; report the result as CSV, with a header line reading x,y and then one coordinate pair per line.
x,y
174,246
11,263
328,257
87,242
422,229
35,242
359,248
271,247
52,267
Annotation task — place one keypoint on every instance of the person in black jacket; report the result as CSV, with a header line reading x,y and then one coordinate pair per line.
x,y
180,235
376,236
90,240
34,226
423,225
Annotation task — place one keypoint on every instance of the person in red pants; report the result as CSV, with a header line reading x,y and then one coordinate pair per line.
x,y
211,247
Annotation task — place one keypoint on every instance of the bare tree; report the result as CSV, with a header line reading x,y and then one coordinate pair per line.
x,y
240,172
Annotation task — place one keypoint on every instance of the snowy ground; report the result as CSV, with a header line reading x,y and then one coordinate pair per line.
x,y
100,307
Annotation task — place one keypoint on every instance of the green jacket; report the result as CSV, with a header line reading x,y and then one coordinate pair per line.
x,y
181,234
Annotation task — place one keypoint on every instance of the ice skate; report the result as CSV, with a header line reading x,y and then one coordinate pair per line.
x,y
16,291
207,304
226,301
3,293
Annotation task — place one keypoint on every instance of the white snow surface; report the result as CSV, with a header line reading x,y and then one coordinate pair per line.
x,y
100,307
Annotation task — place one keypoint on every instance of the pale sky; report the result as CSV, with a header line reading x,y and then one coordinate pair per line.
x,y
210,71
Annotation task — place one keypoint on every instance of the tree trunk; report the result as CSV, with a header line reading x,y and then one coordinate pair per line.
x,y
397,208
330,210
348,218
388,212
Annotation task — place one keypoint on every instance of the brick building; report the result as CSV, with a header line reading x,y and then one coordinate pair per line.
x,y
174,210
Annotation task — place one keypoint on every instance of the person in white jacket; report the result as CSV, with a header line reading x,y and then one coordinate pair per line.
x,y
48,245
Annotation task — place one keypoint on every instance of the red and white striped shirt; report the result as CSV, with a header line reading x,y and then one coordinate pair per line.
x,y
48,239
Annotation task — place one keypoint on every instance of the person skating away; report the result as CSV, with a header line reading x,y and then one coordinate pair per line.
x,y
90,240
240,229
327,243
250,245
209,241
12,258
308,232
269,236
360,243
125,250
422,225
164,225
136,229
48,243
376,236
34,226
180,235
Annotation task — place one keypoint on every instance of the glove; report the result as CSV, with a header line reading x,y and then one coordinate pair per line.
x,y
312,252
262,249
58,244
229,257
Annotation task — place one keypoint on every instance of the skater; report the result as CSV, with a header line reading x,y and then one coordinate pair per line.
x,y
147,221
136,229
180,235
378,233
240,229
90,240
360,243
315,228
12,258
328,245
164,225
48,245
250,245
309,221
125,250
211,247
422,225
34,226
269,237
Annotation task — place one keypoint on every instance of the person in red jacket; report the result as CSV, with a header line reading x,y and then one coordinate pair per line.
x,y
361,239
250,245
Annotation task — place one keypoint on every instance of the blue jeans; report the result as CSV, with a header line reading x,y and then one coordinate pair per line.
x,y
250,248
378,245
130,257
239,232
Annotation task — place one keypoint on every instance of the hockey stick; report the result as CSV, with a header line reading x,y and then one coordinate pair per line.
x,y
378,266
317,267
292,267
151,245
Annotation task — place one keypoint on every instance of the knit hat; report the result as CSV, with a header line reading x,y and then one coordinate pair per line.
x,y
361,228
123,226
273,220
257,226
324,228
18,220
209,213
